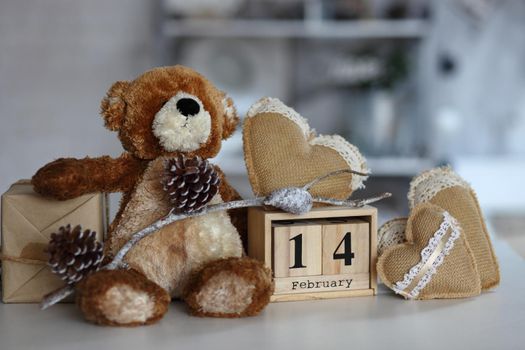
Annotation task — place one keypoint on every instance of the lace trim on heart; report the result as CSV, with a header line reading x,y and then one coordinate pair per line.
x,y
391,233
425,186
350,154
274,105
448,222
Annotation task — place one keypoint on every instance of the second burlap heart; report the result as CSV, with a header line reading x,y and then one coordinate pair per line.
x,y
434,262
446,189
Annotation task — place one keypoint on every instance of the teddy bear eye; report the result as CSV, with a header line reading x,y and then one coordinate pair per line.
x,y
188,107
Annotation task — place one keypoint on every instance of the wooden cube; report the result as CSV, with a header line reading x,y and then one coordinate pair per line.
x,y
346,246
296,248
337,254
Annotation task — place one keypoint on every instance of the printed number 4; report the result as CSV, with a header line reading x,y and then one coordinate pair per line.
x,y
347,253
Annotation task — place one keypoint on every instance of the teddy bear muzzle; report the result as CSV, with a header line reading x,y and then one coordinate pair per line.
x,y
182,123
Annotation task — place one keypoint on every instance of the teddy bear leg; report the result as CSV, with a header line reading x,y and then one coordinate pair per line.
x,y
121,298
232,287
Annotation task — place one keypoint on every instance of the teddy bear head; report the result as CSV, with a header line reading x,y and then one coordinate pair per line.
x,y
168,111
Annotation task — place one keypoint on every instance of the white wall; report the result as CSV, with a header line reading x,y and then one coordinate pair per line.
x,y
57,59
478,108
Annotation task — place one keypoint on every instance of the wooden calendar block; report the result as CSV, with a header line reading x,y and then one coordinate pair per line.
x,y
329,252
346,246
322,283
296,249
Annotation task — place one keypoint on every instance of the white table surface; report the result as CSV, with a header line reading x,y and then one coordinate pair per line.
x,y
494,320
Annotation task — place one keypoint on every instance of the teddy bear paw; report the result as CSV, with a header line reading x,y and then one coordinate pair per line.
x,y
121,298
233,287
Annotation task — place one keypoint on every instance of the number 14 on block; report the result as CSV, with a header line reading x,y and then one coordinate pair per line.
x,y
320,247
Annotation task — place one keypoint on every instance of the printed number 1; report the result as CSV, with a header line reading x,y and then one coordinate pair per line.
x,y
347,254
298,252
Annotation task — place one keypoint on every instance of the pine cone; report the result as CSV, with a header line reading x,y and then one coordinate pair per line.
x,y
74,254
190,183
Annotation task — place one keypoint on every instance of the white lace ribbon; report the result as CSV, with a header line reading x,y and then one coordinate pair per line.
x,y
274,105
391,233
432,256
427,185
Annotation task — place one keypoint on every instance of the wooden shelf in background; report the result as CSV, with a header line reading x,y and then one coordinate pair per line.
x,y
358,29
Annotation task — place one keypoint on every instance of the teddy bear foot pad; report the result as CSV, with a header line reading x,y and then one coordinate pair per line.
x,y
229,288
121,298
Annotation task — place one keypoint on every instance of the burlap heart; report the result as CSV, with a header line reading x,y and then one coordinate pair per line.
x,y
435,262
281,150
446,189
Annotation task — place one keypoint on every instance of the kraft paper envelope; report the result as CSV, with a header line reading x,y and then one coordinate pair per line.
x,y
28,220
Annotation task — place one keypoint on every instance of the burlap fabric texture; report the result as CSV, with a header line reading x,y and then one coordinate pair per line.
x,y
435,262
281,150
446,189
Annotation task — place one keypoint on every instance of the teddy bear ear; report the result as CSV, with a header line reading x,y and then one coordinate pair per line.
x,y
231,119
113,105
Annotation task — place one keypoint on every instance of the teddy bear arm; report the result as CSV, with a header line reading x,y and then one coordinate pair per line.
x,y
238,216
67,178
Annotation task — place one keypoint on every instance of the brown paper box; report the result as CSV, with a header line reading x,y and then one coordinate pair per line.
x,y
28,220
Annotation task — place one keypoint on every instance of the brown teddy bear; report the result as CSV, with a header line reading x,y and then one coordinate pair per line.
x,y
164,113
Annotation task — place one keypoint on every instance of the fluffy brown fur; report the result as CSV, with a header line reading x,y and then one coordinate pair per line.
x,y
67,178
146,95
244,270
91,291
239,216
174,253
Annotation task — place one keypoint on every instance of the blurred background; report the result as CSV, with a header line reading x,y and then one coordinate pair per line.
x,y
413,83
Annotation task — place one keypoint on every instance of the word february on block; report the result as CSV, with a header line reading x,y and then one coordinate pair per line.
x,y
329,252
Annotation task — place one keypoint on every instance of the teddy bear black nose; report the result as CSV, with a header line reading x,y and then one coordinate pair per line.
x,y
188,107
